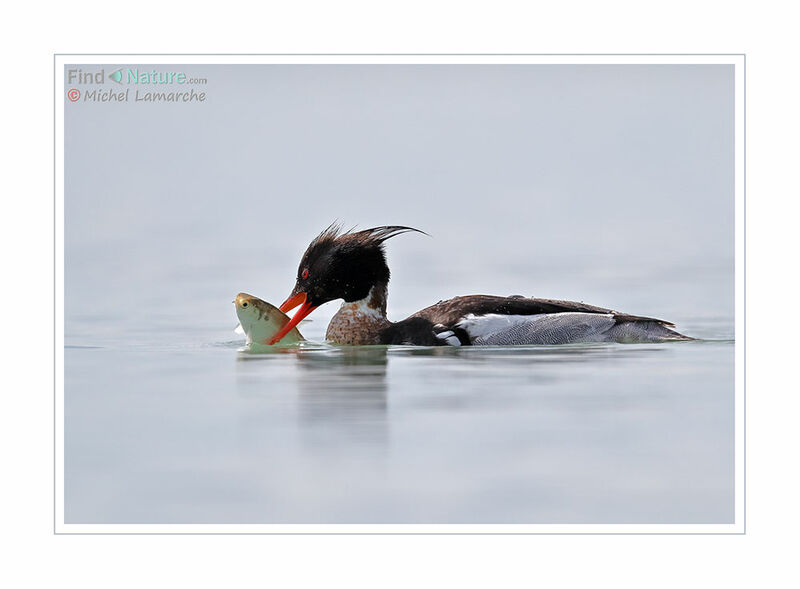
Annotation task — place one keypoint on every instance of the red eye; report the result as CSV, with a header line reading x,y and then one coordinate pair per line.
x,y
305,273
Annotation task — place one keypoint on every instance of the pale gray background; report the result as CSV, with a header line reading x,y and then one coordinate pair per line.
x,y
608,184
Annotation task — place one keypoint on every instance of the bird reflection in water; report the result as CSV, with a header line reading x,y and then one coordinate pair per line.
x,y
343,393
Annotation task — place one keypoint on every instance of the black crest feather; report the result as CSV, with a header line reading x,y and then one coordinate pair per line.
x,y
328,234
373,237
377,235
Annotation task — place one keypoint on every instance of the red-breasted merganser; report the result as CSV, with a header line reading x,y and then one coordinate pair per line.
x,y
352,266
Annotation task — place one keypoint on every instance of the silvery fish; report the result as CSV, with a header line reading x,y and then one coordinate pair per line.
x,y
259,321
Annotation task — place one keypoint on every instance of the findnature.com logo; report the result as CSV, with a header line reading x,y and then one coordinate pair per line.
x,y
132,76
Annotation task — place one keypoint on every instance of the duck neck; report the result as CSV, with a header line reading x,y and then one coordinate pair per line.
x,y
360,322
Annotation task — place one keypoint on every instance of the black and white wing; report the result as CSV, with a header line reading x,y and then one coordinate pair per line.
x,y
489,320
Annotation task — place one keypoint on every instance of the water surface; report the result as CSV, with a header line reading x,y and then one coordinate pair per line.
x,y
594,433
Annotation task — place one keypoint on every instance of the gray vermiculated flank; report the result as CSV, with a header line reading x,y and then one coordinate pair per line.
x,y
566,328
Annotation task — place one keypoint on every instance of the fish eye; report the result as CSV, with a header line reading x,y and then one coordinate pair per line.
x,y
244,304
305,273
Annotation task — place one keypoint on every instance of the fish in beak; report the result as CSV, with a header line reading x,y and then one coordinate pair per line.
x,y
261,321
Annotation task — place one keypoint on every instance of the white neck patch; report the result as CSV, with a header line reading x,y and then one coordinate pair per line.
x,y
361,307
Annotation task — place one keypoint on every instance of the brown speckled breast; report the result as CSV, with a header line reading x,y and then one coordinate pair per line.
x,y
353,328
